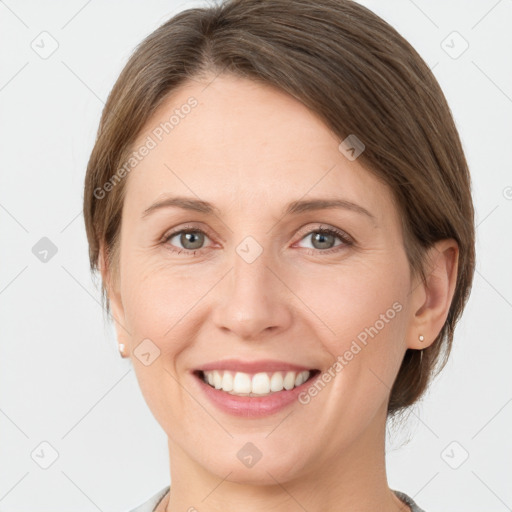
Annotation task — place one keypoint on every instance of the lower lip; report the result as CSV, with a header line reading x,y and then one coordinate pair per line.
x,y
252,406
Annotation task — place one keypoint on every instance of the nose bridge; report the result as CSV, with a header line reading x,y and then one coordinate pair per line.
x,y
250,275
253,298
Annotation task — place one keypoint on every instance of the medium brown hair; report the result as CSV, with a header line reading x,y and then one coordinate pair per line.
x,y
355,71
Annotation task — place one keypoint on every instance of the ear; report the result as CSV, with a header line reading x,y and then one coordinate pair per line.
x,y
431,299
116,305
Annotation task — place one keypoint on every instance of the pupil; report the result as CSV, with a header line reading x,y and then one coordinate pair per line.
x,y
189,238
323,237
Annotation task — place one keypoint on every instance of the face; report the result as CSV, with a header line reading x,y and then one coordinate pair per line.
x,y
252,285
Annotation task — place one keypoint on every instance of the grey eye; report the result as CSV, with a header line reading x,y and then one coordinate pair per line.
x,y
189,240
322,239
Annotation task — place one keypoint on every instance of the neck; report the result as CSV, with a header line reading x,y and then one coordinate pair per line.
x,y
351,478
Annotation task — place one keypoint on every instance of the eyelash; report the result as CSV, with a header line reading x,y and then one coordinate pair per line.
x,y
323,230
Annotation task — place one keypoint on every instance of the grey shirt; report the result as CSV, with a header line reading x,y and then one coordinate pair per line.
x,y
151,504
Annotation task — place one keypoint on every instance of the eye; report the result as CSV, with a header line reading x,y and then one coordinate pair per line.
x,y
190,238
323,239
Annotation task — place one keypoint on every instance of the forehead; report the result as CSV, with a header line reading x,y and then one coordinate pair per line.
x,y
247,142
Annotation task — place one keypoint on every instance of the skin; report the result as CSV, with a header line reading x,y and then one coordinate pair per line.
x,y
294,303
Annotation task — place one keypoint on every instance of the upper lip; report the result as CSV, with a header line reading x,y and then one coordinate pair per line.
x,y
261,365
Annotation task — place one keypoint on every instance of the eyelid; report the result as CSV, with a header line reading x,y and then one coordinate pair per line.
x,y
185,227
303,232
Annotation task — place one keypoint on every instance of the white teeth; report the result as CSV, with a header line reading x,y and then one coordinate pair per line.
x,y
276,382
242,383
289,380
263,383
217,379
227,382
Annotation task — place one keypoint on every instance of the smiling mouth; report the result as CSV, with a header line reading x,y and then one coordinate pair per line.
x,y
255,384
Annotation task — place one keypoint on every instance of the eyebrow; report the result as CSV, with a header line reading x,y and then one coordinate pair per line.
x,y
293,208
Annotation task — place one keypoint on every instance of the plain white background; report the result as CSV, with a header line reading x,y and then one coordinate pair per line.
x,y
61,379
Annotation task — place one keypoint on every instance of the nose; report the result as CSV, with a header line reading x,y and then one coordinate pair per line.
x,y
254,303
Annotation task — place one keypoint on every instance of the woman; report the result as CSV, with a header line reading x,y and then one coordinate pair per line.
x,y
280,208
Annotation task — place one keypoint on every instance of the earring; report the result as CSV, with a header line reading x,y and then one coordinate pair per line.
x,y
121,349
421,337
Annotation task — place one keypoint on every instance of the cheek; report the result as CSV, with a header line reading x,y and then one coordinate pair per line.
x,y
356,301
352,298
364,308
161,300
159,306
